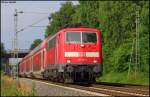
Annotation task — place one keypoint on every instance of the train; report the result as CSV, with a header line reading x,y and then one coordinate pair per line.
x,y
71,55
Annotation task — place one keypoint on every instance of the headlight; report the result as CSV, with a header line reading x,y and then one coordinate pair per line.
x,y
95,61
68,61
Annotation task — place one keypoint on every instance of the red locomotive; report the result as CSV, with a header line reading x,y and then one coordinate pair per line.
x,y
71,55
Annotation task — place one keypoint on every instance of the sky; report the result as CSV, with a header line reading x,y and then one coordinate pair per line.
x,y
33,12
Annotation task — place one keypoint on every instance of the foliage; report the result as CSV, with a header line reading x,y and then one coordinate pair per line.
x,y
63,16
3,56
9,88
114,77
120,58
35,43
117,21
3,52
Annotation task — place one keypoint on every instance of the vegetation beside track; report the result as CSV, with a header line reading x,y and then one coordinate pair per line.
x,y
9,87
116,77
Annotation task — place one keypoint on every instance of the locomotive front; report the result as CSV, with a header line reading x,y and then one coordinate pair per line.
x,y
83,54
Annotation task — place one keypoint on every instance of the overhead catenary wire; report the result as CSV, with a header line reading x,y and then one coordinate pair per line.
x,y
33,24
34,12
38,26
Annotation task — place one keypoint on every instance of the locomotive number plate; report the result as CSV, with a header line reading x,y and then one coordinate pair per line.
x,y
82,54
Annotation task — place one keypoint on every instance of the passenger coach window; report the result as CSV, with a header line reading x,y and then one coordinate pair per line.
x,y
73,37
51,43
89,37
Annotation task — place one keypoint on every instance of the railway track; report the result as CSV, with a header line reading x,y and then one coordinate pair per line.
x,y
107,88
120,91
123,89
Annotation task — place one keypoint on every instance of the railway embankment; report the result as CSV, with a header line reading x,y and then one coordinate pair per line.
x,y
124,78
47,88
9,87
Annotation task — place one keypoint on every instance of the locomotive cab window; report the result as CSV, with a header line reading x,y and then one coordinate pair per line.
x,y
51,43
73,37
78,37
89,37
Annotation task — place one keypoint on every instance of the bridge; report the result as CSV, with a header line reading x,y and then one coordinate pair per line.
x,y
21,53
8,63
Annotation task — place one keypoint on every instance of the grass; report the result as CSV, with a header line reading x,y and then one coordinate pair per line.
x,y
9,88
115,77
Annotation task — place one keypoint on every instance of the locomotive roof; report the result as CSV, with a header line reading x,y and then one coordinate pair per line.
x,y
81,28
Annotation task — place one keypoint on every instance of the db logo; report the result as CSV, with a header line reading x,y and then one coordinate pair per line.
x,y
82,54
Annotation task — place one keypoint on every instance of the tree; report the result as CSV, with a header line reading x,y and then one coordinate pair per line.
x,y
35,43
3,52
3,55
60,18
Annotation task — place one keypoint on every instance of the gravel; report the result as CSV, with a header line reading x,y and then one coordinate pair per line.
x,y
43,89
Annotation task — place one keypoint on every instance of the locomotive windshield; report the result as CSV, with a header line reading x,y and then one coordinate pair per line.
x,y
75,37
89,37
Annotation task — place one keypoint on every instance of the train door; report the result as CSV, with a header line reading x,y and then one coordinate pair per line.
x,y
31,63
42,59
41,63
45,58
51,52
44,52
56,50
59,48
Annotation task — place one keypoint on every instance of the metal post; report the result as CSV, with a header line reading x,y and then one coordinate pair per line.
x,y
14,52
16,43
12,55
138,38
137,44
129,67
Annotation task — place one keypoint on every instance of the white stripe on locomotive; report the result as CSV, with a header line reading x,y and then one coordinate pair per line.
x,y
78,54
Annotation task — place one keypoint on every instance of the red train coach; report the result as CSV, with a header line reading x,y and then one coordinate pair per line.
x,y
71,55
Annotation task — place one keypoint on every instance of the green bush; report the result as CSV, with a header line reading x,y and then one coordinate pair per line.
x,y
115,77
121,58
